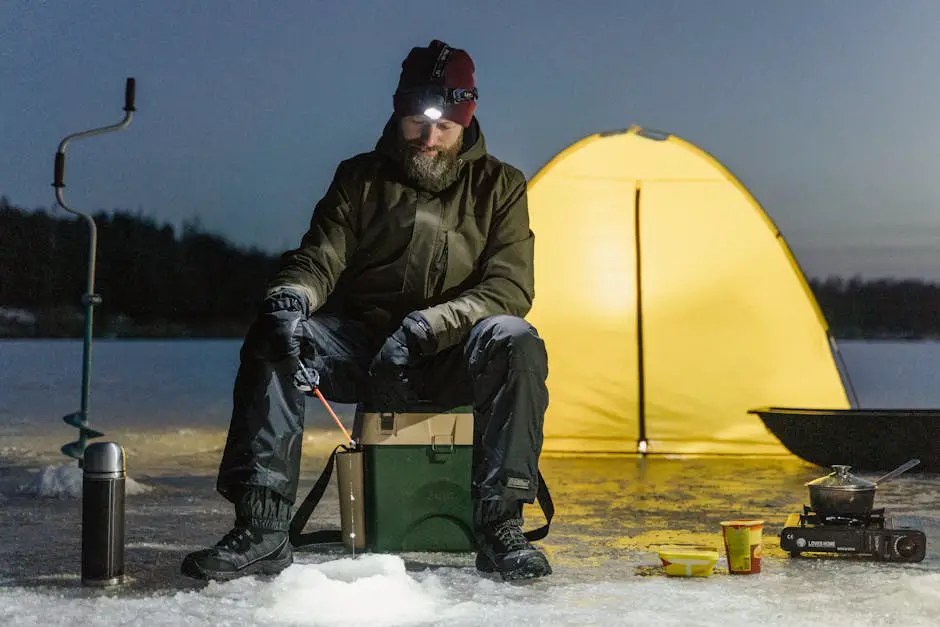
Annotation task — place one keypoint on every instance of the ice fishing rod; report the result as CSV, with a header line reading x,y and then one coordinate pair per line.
x,y
79,419
311,388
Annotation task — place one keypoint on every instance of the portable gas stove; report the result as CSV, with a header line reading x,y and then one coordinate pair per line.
x,y
871,535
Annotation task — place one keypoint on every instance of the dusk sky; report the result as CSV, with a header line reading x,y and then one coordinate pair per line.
x,y
827,111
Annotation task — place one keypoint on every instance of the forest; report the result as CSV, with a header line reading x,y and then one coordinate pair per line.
x,y
157,282
152,281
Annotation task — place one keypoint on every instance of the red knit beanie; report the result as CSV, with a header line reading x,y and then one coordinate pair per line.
x,y
437,74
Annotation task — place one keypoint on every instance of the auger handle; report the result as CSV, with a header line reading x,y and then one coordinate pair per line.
x,y
129,94
59,170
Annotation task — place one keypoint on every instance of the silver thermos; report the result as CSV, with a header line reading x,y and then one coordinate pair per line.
x,y
103,489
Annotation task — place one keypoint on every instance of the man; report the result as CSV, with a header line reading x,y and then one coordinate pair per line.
x,y
411,283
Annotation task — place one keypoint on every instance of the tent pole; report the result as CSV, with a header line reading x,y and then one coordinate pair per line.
x,y
641,379
843,369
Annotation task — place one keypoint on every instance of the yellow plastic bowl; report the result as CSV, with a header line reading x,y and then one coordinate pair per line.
x,y
688,561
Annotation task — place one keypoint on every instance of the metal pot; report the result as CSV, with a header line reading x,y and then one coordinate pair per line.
x,y
841,493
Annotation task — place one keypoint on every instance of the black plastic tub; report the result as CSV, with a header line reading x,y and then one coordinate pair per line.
x,y
865,439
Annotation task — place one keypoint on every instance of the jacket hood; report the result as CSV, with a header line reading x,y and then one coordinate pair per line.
x,y
473,148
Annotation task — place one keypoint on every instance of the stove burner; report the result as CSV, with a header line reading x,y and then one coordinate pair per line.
x,y
871,535
874,518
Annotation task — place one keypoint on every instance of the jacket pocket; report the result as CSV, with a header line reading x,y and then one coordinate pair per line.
x,y
461,260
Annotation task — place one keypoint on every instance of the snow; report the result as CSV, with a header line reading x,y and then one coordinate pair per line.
x,y
329,591
19,316
377,590
167,403
65,481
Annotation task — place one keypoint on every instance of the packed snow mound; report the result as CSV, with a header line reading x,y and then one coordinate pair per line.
x,y
372,589
65,481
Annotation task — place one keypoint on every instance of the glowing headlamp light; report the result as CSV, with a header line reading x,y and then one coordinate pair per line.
x,y
433,100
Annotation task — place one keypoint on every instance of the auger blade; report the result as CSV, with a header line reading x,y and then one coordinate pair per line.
x,y
73,449
75,420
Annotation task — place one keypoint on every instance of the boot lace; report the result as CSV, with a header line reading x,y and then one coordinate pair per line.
x,y
509,533
236,540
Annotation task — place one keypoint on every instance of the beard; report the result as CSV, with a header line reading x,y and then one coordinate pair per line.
x,y
430,171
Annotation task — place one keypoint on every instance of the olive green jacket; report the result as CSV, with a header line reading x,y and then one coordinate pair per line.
x,y
378,247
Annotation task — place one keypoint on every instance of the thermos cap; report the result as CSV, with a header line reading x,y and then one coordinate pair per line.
x,y
104,457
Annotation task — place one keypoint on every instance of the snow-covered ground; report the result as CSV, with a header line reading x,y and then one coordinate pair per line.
x,y
167,403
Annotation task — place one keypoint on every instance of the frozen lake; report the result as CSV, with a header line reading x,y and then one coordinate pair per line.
x,y
168,403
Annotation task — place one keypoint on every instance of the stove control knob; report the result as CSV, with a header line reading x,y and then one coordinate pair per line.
x,y
905,546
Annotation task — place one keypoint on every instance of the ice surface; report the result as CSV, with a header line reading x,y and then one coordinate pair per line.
x,y
163,384
167,403
894,374
378,590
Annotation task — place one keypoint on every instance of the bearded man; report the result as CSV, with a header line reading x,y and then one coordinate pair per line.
x,y
411,283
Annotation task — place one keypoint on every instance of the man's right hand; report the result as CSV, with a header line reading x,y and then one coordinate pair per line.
x,y
273,336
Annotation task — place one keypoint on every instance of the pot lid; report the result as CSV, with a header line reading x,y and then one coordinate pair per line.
x,y
842,479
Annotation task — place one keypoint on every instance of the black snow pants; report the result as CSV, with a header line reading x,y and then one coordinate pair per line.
x,y
500,370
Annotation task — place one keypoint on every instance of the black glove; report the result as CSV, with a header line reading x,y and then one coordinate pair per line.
x,y
420,336
274,333
414,338
306,379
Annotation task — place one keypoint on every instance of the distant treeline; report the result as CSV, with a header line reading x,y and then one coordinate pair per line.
x,y
158,283
152,281
883,308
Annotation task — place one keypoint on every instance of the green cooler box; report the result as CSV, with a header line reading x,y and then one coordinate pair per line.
x,y
416,478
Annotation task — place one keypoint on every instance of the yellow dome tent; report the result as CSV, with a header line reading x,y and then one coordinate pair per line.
x,y
661,343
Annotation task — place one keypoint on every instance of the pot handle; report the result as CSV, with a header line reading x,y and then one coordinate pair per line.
x,y
897,471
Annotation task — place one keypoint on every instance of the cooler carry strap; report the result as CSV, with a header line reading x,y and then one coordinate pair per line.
x,y
302,515
544,497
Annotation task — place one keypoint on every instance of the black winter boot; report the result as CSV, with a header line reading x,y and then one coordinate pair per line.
x,y
241,552
502,546
258,543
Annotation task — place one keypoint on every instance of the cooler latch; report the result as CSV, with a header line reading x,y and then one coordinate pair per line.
x,y
449,439
447,447
386,421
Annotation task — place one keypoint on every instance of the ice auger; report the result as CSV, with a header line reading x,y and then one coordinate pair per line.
x,y
79,419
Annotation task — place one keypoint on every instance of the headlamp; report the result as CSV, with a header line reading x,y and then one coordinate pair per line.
x,y
433,100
